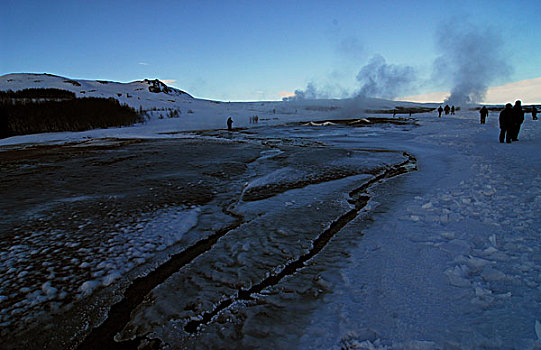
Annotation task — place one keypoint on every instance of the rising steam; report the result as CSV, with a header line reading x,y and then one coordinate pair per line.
x,y
471,59
383,80
376,79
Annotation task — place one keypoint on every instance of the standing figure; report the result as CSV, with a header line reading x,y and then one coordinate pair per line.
x,y
506,123
447,109
534,113
484,114
439,111
453,110
229,124
518,118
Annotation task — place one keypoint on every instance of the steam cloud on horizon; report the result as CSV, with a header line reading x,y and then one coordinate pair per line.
x,y
377,78
471,59
383,80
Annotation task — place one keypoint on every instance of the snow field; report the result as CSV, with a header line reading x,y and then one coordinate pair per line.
x,y
506,245
481,218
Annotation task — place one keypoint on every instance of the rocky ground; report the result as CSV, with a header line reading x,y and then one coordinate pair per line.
x,y
214,238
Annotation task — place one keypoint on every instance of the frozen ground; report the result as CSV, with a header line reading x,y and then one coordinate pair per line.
x,y
443,257
452,259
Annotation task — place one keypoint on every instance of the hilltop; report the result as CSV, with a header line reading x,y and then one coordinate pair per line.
x,y
147,93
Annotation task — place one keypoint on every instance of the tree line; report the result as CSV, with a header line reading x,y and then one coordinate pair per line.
x,y
36,93
51,110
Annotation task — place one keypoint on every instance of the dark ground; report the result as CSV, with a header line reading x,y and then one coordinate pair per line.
x,y
87,190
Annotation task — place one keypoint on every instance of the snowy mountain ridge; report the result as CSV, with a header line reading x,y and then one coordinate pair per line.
x,y
145,93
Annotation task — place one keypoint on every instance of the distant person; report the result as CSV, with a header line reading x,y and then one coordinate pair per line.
x,y
229,124
484,114
534,113
453,110
506,123
256,118
447,109
440,110
518,119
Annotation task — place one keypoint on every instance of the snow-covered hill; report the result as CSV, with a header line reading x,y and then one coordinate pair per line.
x,y
145,93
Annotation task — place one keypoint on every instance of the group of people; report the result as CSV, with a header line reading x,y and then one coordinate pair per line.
x,y
511,119
253,119
446,109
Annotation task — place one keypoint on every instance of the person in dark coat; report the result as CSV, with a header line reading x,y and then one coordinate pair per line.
x,y
447,109
484,114
453,110
229,124
518,119
506,123
534,113
439,111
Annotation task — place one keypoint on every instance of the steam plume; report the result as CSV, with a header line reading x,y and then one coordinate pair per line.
x,y
377,79
383,80
310,93
471,59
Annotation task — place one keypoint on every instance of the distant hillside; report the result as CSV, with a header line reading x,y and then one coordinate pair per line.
x,y
146,94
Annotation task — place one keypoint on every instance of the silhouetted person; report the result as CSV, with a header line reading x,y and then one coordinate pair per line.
x,y
452,110
484,114
229,124
518,118
439,111
506,123
447,109
534,113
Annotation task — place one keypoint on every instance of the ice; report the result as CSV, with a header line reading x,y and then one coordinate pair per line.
x,y
287,174
427,205
473,262
49,290
458,276
490,274
89,286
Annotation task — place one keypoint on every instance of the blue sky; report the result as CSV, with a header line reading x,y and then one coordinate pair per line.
x,y
254,50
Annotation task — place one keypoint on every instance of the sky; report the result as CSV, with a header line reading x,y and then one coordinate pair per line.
x,y
266,50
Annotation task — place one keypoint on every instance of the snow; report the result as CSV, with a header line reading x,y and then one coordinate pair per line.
x,y
476,218
105,263
451,257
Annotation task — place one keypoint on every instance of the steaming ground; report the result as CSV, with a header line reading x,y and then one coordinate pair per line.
x,y
446,256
